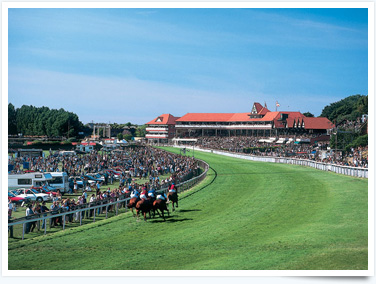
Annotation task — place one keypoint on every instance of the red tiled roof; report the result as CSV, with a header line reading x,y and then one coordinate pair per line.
x,y
275,116
258,106
264,111
292,114
290,122
206,117
299,122
164,119
242,117
317,123
261,109
235,117
271,116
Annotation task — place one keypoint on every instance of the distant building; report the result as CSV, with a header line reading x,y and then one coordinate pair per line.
x,y
259,122
161,129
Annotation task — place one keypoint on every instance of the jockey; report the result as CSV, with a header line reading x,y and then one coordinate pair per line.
x,y
162,196
144,194
128,190
172,188
135,194
151,193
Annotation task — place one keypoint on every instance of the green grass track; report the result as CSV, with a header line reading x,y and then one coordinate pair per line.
x,y
244,216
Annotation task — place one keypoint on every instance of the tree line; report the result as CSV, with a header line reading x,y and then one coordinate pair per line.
x,y
349,108
42,121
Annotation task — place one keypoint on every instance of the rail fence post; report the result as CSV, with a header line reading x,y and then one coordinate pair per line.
x,y
23,231
45,225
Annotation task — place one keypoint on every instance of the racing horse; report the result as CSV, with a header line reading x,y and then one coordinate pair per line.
x,y
144,206
173,198
160,205
132,204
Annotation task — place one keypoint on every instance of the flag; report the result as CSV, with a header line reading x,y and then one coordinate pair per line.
x,y
277,104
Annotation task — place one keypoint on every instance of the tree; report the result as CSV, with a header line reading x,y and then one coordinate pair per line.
x,y
360,141
42,121
141,131
120,136
128,137
362,105
12,120
349,108
308,114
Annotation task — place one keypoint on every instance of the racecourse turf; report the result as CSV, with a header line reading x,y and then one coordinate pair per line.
x,y
244,216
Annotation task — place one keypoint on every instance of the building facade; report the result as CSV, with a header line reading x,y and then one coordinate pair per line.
x,y
161,129
260,122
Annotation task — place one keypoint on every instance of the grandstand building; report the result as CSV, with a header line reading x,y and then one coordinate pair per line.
x,y
260,122
161,129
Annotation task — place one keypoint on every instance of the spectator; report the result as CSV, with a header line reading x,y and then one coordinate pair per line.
x,y
44,209
30,225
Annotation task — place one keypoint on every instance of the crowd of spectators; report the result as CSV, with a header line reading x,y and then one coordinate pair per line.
x,y
138,162
159,168
353,125
358,157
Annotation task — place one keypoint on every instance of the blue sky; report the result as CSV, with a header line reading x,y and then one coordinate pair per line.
x,y
120,65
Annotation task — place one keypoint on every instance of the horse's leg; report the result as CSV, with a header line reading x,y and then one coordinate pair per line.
x,y
160,210
145,216
168,211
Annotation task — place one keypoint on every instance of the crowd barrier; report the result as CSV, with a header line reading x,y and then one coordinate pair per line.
x,y
345,170
91,210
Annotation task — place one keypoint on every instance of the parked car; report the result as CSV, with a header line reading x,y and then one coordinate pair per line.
x,y
17,199
117,174
79,180
99,176
32,194
44,190
93,177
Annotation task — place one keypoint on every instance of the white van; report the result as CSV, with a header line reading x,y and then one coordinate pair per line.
x,y
59,181
27,180
67,153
